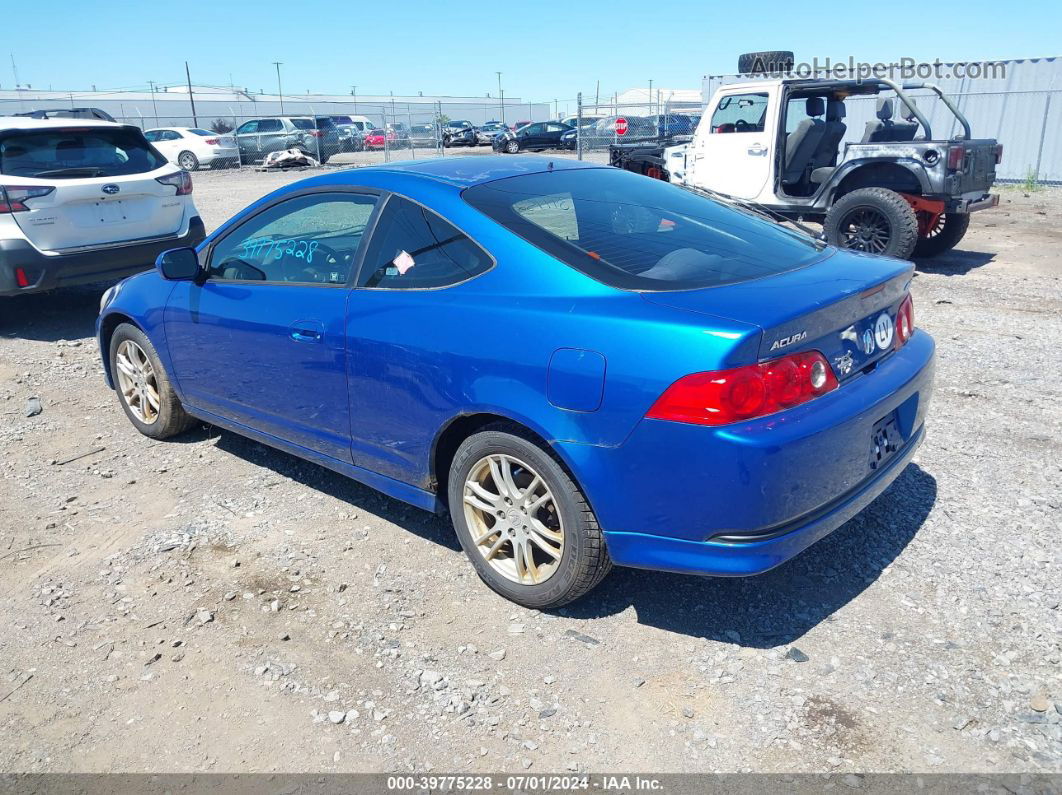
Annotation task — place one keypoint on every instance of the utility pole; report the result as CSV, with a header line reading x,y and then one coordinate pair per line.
x,y
597,95
280,91
354,93
15,70
154,109
191,96
501,97
650,97
556,112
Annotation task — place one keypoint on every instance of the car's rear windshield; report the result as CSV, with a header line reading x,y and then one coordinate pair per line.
x,y
637,233
77,152
202,132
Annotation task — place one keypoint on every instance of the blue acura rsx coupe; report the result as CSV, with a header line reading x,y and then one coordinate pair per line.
x,y
584,366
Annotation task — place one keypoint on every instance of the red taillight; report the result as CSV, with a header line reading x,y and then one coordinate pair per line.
x,y
182,180
999,154
21,279
956,155
905,321
317,133
210,141
742,393
13,198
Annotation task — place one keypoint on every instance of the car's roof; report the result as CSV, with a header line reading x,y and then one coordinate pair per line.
x,y
476,169
27,123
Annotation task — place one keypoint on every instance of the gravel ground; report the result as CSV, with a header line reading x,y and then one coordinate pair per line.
x,y
210,604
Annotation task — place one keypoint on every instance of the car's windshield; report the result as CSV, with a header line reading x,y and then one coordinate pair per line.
x,y
640,234
77,152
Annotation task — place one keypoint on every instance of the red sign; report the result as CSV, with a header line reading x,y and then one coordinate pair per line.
x,y
621,126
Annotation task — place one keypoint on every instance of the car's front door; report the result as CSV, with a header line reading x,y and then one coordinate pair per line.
x,y
734,154
247,139
261,341
531,136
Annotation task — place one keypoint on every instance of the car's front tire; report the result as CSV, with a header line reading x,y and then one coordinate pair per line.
x,y
512,147
143,386
523,522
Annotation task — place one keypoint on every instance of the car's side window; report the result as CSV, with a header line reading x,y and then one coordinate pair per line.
x,y
247,128
270,125
739,113
310,239
413,248
152,135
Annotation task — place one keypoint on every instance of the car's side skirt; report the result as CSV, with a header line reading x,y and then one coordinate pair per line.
x,y
389,486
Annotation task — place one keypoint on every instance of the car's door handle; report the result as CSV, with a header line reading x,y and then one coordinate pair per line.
x,y
307,331
757,149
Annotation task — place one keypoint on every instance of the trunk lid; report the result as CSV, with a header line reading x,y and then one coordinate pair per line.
x,y
81,212
843,306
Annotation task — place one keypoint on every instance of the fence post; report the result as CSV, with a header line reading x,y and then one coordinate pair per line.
x,y
579,126
235,127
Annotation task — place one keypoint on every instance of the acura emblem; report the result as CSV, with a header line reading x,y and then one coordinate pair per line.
x,y
110,189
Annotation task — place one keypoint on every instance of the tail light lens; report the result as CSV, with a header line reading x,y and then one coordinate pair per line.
x,y
317,133
956,154
13,198
999,154
21,279
742,393
182,180
211,141
905,321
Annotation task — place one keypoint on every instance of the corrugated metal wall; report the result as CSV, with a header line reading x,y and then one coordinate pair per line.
x,y
1022,110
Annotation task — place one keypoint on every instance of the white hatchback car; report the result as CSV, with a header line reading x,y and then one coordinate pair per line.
x,y
84,201
190,147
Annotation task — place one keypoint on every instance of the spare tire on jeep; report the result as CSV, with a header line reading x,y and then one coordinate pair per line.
x,y
766,62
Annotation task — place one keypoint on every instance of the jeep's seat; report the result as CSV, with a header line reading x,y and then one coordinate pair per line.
x,y
880,129
831,139
802,144
905,130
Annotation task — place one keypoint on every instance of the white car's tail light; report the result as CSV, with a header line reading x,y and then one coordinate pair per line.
x,y
182,180
13,198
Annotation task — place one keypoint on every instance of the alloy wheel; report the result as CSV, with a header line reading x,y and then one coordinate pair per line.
x,y
137,382
513,519
866,229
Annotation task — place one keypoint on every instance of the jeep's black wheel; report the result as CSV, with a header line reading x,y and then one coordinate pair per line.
x,y
875,220
766,62
525,525
944,236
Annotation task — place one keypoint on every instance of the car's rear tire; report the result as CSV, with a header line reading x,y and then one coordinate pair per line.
x,y
143,386
546,548
512,147
188,161
944,236
875,220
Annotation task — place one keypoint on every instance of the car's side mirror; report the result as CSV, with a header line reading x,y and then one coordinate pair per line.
x,y
178,264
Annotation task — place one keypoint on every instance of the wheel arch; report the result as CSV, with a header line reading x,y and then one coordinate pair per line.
x,y
453,433
901,176
108,324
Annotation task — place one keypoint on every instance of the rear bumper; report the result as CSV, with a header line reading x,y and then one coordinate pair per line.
x,y
754,557
740,499
49,271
